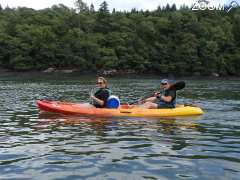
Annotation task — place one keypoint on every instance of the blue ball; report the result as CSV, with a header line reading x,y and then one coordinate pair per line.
x,y
113,102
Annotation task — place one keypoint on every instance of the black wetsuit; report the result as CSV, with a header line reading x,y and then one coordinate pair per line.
x,y
102,94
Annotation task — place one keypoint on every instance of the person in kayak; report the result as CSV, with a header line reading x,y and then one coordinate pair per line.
x,y
166,99
101,96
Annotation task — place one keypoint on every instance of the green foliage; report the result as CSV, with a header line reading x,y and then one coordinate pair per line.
x,y
81,6
92,9
167,40
103,10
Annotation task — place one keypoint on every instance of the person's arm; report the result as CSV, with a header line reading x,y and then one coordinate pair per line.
x,y
103,95
97,100
168,98
151,99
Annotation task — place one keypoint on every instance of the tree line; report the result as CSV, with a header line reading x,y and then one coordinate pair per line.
x,y
164,41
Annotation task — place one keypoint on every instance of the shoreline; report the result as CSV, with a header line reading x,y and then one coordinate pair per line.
x,y
34,74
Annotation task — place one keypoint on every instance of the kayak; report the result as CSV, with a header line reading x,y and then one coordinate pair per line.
x,y
123,110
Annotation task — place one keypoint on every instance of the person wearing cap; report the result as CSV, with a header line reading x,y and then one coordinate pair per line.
x,y
166,99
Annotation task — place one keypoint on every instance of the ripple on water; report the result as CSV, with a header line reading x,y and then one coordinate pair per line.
x,y
36,146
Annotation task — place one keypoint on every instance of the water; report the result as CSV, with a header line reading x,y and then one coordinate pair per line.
x,y
37,145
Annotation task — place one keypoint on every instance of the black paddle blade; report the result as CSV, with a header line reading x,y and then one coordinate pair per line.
x,y
178,85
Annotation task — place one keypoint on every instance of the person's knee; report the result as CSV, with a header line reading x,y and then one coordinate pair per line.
x,y
146,105
151,105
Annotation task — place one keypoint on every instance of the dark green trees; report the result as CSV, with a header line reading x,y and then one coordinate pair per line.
x,y
166,40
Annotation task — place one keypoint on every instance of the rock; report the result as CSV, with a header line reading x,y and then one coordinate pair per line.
x,y
67,71
2,70
215,75
109,72
197,74
114,72
49,70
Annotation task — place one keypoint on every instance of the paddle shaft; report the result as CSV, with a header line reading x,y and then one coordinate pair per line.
x,y
177,86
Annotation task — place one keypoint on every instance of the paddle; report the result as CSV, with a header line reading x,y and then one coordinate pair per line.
x,y
177,86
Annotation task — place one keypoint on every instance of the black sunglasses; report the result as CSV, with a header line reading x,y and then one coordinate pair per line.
x,y
163,83
99,82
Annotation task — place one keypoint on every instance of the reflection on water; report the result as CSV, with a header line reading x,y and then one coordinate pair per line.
x,y
100,124
36,145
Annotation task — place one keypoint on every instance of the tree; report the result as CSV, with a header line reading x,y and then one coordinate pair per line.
x,y
92,9
173,8
103,18
103,10
167,40
167,8
208,56
81,6
159,9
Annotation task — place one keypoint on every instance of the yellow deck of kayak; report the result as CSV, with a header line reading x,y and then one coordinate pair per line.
x,y
180,110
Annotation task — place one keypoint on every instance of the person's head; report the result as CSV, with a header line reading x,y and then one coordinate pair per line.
x,y
165,84
101,82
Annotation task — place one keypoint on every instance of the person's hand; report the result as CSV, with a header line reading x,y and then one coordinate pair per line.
x,y
141,101
156,94
92,97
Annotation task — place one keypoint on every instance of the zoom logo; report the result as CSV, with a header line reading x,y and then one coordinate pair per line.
x,y
203,5
232,5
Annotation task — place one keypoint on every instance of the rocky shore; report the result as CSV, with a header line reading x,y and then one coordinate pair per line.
x,y
108,73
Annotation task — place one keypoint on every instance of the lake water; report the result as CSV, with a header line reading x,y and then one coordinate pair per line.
x,y
36,145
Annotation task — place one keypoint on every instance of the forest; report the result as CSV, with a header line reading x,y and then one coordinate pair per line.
x,y
166,40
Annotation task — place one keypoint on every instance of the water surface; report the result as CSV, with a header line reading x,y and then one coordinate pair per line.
x,y
36,145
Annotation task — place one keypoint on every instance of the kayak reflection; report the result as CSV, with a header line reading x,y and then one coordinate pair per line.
x,y
165,125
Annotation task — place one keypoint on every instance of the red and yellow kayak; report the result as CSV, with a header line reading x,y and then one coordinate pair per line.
x,y
123,110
